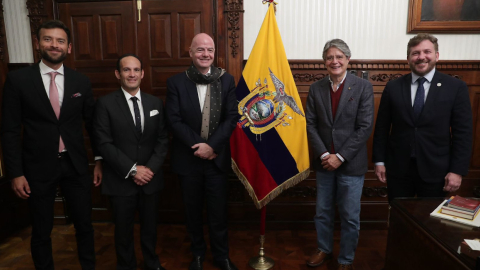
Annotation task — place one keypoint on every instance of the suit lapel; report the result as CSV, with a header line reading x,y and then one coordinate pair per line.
x,y
41,91
407,96
325,95
347,93
433,93
68,90
147,107
192,92
122,103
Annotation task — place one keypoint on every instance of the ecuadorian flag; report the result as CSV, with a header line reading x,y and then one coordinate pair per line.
x,y
269,145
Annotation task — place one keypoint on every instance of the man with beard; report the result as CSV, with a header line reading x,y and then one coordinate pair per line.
x,y
423,134
201,109
43,143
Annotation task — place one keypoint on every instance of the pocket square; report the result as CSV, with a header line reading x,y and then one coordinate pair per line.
x,y
153,113
76,95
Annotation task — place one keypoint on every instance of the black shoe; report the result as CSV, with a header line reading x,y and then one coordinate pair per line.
x,y
197,263
158,268
225,264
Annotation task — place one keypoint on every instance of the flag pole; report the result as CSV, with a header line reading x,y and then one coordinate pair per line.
x,y
262,262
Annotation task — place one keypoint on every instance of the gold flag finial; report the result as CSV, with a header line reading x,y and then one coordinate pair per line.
x,y
271,2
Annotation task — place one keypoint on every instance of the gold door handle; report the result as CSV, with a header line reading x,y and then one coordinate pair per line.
x,y
139,8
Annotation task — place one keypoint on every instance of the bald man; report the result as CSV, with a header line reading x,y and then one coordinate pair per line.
x,y
201,110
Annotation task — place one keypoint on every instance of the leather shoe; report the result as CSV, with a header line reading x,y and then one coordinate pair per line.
x,y
345,267
225,264
197,263
158,268
318,258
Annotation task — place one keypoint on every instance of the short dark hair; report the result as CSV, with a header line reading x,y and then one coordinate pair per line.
x,y
419,38
127,55
51,25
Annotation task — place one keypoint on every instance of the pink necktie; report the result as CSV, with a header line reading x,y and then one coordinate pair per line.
x,y
53,91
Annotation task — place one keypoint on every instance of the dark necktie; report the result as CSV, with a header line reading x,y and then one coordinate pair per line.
x,y
419,98
138,120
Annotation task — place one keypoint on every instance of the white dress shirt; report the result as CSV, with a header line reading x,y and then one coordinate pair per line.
x,y
202,92
130,105
59,80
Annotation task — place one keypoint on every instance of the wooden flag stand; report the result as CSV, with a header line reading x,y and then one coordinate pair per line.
x,y
262,262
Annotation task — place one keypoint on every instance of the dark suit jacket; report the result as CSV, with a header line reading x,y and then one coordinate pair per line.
x,y
185,119
442,135
25,103
121,146
350,129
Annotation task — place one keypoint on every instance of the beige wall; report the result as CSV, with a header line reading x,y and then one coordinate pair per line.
x,y
373,29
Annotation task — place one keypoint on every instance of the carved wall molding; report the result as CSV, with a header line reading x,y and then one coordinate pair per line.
x,y
2,34
385,65
233,8
308,77
37,14
385,77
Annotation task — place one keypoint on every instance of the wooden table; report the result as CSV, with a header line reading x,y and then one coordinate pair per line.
x,y
418,241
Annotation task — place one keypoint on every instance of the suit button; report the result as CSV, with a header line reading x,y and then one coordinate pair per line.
x,y
333,129
139,147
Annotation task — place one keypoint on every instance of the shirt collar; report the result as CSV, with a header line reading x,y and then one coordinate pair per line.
x,y
128,96
331,82
428,76
44,69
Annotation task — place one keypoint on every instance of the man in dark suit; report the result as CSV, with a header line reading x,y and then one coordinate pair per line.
x,y
131,136
201,109
339,121
49,101
423,133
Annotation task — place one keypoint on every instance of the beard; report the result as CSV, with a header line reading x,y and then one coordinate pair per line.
x,y
430,65
52,60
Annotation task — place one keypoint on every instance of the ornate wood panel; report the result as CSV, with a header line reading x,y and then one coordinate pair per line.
x,y
165,32
101,32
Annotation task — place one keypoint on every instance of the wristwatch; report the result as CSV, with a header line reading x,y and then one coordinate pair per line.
x,y
133,172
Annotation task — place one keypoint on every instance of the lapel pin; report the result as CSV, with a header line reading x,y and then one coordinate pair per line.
x,y
439,84
349,88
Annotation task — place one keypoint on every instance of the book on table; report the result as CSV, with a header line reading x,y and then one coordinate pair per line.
x,y
467,211
472,221
463,203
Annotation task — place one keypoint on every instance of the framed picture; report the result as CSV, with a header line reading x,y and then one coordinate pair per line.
x,y
444,16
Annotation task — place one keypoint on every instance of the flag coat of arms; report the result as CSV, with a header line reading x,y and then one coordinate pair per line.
x,y
269,144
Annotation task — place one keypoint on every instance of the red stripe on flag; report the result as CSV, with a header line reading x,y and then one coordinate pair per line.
x,y
251,166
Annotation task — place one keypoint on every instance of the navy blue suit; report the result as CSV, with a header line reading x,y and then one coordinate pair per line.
x,y
440,139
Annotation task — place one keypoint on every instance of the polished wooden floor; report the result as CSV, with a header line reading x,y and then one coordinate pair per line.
x,y
289,248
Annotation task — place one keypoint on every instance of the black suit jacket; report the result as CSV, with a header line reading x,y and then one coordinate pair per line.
x,y
121,146
185,119
26,104
441,136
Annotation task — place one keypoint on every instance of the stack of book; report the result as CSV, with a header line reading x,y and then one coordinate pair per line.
x,y
460,207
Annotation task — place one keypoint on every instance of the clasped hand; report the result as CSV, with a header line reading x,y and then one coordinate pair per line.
x,y
204,151
143,176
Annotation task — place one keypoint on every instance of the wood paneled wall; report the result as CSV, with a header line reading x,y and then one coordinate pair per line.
x,y
103,30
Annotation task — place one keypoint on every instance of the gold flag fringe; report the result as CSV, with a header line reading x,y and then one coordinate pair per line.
x,y
274,193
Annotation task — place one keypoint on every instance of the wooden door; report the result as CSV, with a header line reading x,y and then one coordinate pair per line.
x,y
100,32
165,32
